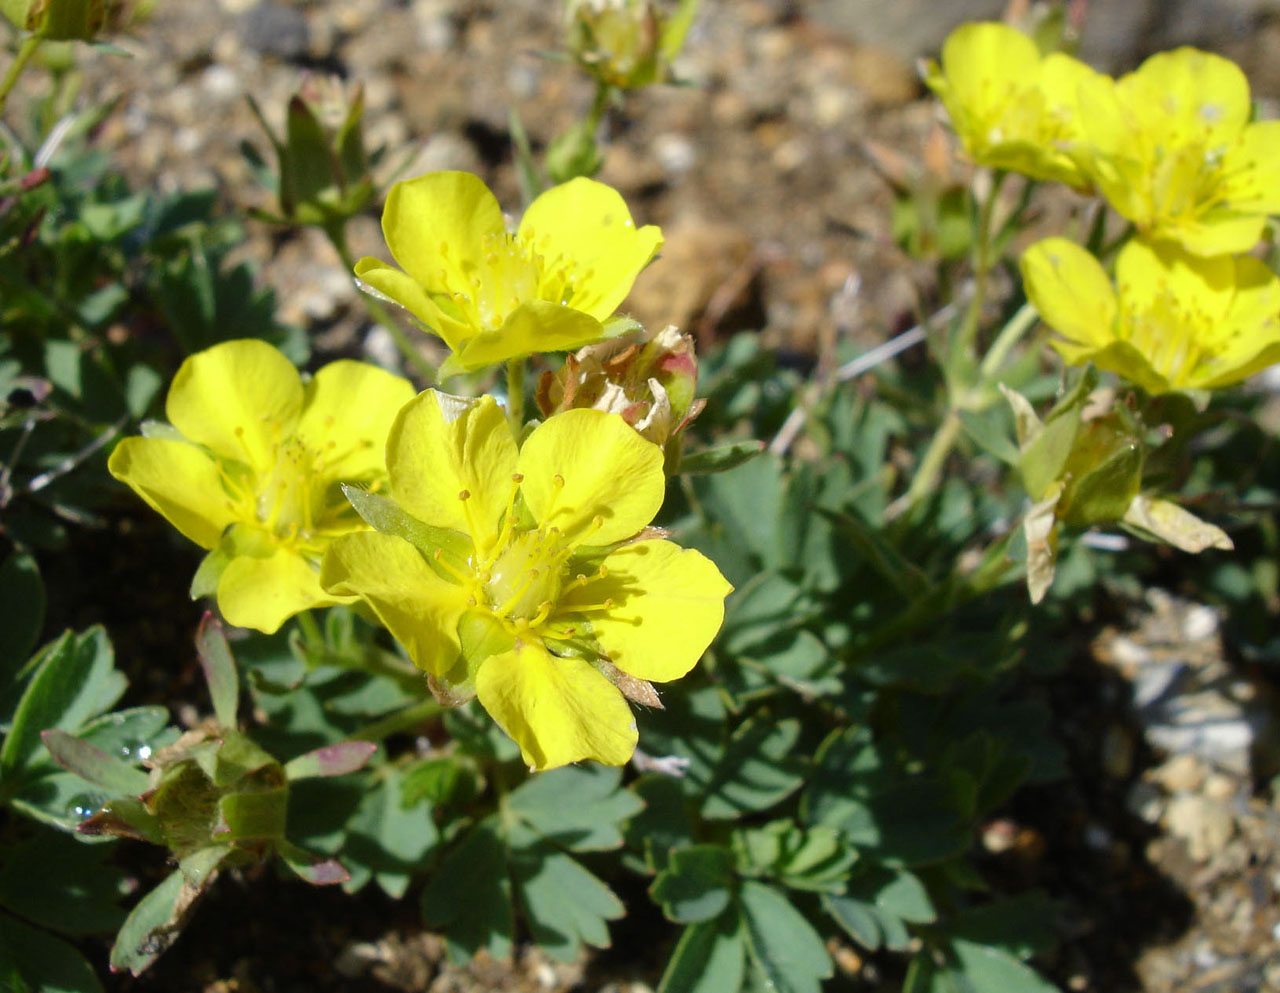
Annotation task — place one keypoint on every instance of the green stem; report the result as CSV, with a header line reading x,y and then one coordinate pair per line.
x,y
604,92
337,238
982,266
515,395
930,468
401,720
311,635
1019,324
19,62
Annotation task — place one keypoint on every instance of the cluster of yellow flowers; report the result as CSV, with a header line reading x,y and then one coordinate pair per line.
x,y
1172,147
525,572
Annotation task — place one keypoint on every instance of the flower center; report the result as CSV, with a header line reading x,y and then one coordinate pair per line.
x,y
510,271
525,575
289,499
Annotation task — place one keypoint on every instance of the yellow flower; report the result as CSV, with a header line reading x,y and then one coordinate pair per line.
x,y
1173,321
251,466
1012,108
1171,147
547,594
493,295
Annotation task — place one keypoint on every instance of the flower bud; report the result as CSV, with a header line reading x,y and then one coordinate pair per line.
x,y
65,20
323,165
627,43
648,378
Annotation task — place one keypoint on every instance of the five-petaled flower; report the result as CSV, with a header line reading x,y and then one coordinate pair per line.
x,y
251,466
493,295
1173,321
1011,107
550,597
1171,146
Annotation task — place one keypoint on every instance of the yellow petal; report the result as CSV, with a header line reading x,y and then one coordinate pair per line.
x,y
557,710
1249,336
587,226
585,464
983,63
1215,232
668,604
436,227
347,413
1148,273
239,398
1125,360
442,447
404,290
420,609
1202,96
178,481
534,326
263,593
1070,290
1251,170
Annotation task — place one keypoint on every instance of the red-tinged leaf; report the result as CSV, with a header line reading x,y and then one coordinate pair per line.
x,y
219,669
331,760
312,868
94,765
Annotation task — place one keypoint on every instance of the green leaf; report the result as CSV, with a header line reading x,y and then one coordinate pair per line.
x,y
973,968
337,759
74,680
314,869
580,808
663,825
94,765
893,567
62,884
388,839
1022,925
815,859
477,868
696,885
756,770
877,905
22,602
565,904
154,923
132,734
989,430
782,945
45,964
721,458
219,669
760,609
912,823
710,957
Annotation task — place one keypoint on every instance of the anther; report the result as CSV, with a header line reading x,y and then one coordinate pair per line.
x,y
558,480
517,477
464,494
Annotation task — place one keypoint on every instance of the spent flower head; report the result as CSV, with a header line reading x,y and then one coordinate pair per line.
x,y
1172,147
627,44
1011,106
494,295
1173,321
251,466
535,583
650,379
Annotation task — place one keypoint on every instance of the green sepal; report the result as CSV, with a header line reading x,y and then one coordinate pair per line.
x,y
253,815
387,516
